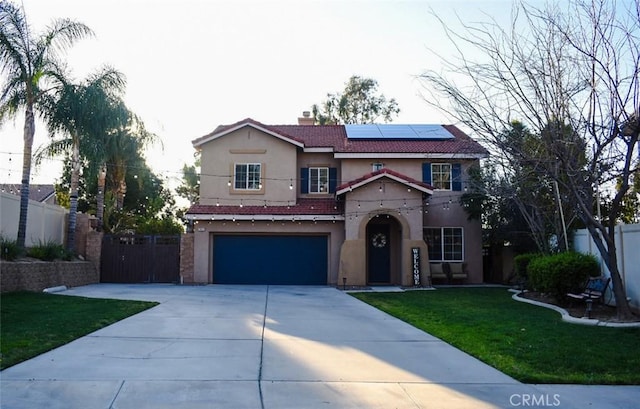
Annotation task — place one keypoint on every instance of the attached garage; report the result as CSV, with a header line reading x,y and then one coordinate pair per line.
x,y
273,259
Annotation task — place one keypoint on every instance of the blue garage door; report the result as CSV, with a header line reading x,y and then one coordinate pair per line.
x,y
270,260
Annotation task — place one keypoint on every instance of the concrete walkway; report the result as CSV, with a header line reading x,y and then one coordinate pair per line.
x,y
270,347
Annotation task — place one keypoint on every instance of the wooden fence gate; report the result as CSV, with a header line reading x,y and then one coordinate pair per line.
x,y
140,259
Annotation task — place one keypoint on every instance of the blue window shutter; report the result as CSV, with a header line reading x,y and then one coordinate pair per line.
x,y
456,177
333,179
304,180
426,172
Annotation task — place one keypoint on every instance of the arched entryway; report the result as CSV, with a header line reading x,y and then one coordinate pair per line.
x,y
384,236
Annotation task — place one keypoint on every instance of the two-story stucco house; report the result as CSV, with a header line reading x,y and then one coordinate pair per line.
x,y
338,204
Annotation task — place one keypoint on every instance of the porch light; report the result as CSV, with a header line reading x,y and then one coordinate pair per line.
x,y
291,184
229,183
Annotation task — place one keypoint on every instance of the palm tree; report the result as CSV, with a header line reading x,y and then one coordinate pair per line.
x,y
84,114
114,153
29,62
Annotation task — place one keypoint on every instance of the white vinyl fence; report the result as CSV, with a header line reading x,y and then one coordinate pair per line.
x,y
628,251
45,222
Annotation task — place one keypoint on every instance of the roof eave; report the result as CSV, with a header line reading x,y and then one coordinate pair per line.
x,y
380,175
197,143
263,217
409,155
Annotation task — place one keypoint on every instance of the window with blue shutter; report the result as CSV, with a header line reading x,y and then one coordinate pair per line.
x,y
333,179
456,177
304,180
426,172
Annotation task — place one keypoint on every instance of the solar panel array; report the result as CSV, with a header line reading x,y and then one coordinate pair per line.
x,y
397,131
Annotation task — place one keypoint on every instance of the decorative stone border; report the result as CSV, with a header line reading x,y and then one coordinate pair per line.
x,y
573,320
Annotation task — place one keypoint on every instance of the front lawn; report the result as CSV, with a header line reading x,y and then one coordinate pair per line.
x,y
531,344
33,323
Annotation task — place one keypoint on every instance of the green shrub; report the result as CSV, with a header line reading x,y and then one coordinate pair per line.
x,y
49,251
9,248
521,262
561,273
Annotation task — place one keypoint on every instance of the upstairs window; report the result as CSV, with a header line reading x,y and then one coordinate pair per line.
x,y
318,180
441,176
377,166
247,176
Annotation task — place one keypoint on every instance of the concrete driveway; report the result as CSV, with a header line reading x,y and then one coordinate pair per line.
x,y
270,347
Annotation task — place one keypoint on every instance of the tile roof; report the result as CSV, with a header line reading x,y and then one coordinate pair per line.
x,y
304,206
38,193
335,137
382,172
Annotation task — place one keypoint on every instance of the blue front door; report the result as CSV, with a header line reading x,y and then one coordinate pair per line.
x,y
379,254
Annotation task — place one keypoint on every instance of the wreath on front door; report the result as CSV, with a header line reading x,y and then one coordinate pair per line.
x,y
379,240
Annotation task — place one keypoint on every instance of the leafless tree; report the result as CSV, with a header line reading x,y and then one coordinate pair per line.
x,y
573,65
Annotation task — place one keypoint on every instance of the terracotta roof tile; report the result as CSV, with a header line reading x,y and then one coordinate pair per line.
x,y
335,137
384,171
303,206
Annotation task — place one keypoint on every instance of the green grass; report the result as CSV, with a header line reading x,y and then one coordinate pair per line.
x,y
33,323
531,344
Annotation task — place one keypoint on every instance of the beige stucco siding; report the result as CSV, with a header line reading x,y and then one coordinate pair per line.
x,y
355,168
400,204
441,213
248,145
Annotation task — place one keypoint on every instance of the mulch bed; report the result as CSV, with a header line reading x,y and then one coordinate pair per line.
x,y
578,309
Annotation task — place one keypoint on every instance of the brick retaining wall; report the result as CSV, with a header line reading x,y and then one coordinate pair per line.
x,y
38,275
186,258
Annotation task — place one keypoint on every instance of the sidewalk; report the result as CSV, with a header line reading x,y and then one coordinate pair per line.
x,y
271,347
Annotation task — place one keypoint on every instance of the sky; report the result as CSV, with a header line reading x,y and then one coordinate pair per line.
x,y
192,65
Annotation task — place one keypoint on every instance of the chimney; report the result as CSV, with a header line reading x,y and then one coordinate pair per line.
x,y
305,119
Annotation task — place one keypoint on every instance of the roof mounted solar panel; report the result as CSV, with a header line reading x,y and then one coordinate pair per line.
x,y
397,131
364,131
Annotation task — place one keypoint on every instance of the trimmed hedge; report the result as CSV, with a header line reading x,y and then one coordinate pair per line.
x,y
561,273
521,262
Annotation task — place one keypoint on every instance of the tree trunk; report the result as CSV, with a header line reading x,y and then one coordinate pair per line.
x,y
29,132
102,178
73,195
120,192
607,249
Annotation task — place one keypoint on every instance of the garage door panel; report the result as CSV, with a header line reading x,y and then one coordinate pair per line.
x,y
274,260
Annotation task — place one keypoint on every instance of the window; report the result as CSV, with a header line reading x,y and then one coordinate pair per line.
x,y
247,176
318,180
441,176
444,243
377,166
